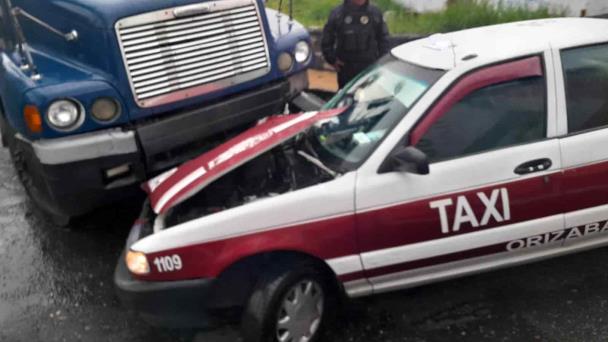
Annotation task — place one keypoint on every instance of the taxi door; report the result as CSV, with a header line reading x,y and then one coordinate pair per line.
x,y
492,194
583,124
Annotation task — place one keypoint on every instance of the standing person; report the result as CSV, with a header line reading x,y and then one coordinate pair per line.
x,y
354,37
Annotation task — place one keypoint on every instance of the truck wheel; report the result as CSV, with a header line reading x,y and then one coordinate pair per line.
x,y
3,134
3,131
38,197
289,304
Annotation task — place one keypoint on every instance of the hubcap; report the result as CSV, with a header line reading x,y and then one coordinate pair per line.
x,y
300,313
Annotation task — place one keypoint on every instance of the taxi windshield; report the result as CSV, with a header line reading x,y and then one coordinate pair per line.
x,y
375,102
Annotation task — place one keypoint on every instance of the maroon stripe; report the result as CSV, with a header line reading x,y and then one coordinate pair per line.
x,y
416,222
557,237
442,259
352,276
327,239
585,187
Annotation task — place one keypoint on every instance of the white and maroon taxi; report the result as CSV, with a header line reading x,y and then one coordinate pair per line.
x,y
454,154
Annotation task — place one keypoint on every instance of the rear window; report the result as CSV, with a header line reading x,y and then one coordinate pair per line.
x,y
586,80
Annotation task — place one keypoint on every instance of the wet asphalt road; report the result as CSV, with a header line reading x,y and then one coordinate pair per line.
x,y
56,285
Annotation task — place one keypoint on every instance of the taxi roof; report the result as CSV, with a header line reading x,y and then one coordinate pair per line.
x,y
503,41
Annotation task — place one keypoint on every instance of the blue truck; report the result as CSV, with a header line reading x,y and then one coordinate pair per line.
x,y
98,95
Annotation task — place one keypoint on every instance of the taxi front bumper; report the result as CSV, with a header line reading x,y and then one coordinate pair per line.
x,y
172,304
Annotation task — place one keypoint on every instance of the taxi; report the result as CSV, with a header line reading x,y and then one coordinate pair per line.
x,y
453,154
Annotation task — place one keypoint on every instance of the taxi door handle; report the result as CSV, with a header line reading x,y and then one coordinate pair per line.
x,y
532,166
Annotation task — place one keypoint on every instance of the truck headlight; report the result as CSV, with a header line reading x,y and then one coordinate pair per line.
x,y
65,115
302,52
105,109
137,263
285,62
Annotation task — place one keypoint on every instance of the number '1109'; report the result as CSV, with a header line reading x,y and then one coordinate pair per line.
x,y
168,263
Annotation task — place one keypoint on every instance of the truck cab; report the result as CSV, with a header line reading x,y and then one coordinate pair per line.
x,y
98,95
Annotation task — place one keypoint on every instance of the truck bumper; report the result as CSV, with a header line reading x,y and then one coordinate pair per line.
x,y
75,175
174,304
79,173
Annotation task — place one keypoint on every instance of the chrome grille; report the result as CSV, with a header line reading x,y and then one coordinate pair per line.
x,y
170,56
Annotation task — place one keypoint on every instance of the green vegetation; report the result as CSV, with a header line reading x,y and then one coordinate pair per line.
x,y
459,15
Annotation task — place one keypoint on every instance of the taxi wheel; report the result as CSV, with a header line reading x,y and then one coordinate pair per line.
x,y
289,304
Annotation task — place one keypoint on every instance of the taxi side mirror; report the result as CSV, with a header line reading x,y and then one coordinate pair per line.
x,y
407,159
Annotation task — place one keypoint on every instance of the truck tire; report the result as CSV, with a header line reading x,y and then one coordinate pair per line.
x,y
20,164
40,198
3,130
289,303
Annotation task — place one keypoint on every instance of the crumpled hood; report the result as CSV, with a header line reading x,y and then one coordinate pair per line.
x,y
179,184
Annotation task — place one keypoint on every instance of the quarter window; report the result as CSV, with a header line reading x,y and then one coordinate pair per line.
x,y
492,117
586,80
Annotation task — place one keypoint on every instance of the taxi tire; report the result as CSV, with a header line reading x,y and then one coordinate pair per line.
x,y
259,318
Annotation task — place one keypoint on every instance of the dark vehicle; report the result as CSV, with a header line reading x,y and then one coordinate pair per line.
x,y
98,95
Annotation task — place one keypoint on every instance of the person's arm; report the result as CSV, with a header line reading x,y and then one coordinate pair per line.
x,y
328,41
383,37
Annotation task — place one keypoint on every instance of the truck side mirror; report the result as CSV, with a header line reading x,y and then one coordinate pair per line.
x,y
407,159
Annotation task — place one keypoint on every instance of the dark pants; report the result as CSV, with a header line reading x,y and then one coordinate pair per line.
x,y
349,71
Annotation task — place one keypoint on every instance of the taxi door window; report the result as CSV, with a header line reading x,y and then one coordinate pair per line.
x,y
586,80
492,117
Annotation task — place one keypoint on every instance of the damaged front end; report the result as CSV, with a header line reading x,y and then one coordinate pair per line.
x,y
272,158
275,172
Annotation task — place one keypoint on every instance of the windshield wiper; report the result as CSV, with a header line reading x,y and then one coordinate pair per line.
x,y
318,163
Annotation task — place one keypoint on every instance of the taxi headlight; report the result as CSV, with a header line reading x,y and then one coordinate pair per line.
x,y
137,263
65,115
105,109
285,62
302,52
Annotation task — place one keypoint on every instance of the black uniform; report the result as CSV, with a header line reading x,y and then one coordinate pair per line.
x,y
357,36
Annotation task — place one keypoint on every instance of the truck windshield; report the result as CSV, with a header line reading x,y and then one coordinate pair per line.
x,y
376,101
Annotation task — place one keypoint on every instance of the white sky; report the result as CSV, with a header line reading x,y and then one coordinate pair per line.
x,y
572,7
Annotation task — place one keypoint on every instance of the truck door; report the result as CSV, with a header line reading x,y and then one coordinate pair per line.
x,y
491,195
